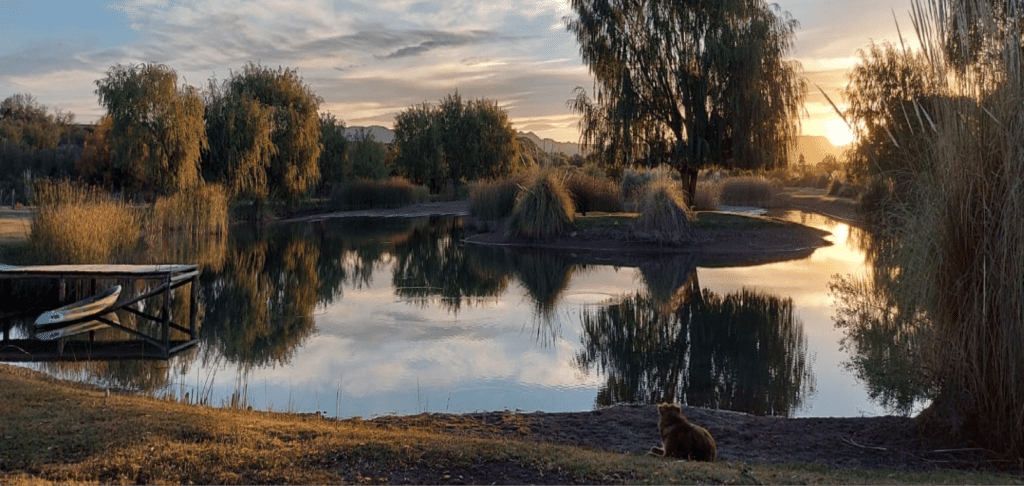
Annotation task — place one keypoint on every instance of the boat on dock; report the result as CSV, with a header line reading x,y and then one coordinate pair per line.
x,y
81,327
83,310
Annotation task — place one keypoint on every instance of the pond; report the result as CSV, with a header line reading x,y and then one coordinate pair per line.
x,y
357,317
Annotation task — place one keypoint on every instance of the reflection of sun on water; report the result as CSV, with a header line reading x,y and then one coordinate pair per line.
x,y
838,133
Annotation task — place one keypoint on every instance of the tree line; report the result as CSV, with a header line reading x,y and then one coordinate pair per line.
x,y
260,133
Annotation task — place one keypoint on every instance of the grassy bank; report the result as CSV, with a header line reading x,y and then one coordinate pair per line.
x,y
56,432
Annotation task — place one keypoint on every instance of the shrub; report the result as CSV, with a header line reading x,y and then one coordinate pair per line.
x,y
663,216
751,191
366,194
543,208
495,199
708,195
591,193
197,211
79,224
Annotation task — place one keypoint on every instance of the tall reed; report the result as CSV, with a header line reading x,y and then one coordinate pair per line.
x,y
80,224
197,211
592,193
663,215
958,229
495,199
368,194
543,208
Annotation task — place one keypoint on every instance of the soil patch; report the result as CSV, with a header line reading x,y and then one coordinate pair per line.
x,y
855,442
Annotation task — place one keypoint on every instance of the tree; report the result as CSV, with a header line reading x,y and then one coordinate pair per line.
x,y
25,122
367,156
334,160
261,104
688,83
473,140
156,125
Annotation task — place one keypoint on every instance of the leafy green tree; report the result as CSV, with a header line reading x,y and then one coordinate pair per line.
x,y
334,159
156,126
460,141
276,99
419,154
688,83
367,156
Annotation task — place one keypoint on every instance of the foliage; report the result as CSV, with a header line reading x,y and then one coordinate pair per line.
x,y
590,193
688,83
268,133
34,141
335,158
543,208
25,122
663,214
367,158
78,224
751,191
96,164
458,141
198,212
633,181
157,127
366,194
949,225
494,199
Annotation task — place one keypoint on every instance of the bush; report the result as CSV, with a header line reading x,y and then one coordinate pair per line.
x,y
591,193
543,208
77,224
751,191
708,195
198,211
633,181
490,200
663,216
367,194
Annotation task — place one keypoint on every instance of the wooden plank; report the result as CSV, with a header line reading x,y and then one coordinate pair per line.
x,y
98,271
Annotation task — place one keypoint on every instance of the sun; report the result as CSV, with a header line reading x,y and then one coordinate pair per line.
x,y
838,133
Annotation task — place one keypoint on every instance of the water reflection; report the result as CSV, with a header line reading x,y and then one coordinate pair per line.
x,y
745,351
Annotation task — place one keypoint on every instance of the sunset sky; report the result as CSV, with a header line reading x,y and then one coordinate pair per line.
x,y
371,59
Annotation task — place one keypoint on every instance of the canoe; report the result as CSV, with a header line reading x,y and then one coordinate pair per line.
x,y
82,310
73,329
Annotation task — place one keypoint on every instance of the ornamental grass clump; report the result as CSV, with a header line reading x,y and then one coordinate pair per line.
x,y
490,200
76,224
543,208
663,216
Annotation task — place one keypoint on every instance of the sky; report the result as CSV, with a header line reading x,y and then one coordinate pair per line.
x,y
371,59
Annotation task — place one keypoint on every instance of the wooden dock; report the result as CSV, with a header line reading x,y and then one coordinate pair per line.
x,y
137,343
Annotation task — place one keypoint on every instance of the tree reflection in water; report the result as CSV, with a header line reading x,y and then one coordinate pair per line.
x,y
745,351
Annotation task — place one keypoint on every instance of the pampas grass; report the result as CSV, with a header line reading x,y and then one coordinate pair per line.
x,y
591,193
543,208
76,224
490,200
663,215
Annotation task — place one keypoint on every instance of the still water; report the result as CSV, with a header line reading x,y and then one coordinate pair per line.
x,y
353,317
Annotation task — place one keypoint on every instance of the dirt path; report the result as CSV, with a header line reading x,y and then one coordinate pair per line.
x,y
849,442
15,225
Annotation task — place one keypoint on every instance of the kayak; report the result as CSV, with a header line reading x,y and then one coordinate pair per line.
x,y
73,329
82,310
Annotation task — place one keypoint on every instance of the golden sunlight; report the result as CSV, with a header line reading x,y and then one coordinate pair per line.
x,y
838,132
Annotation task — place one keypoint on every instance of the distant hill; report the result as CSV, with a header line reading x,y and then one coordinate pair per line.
x,y
814,148
379,133
551,146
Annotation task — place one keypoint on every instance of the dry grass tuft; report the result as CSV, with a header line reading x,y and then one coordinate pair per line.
x,y
490,200
663,215
199,211
78,224
709,194
751,191
543,208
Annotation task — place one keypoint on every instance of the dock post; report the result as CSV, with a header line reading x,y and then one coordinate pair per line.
x,y
193,289
166,317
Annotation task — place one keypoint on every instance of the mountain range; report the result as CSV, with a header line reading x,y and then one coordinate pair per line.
x,y
814,148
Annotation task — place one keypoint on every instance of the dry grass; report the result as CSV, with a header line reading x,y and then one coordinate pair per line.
x,y
54,432
200,211
490,200
75,224
751,191
543,208
371,194
590,193
663,215
709,195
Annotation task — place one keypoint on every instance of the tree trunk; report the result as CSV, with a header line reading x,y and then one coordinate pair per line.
x,y
689,180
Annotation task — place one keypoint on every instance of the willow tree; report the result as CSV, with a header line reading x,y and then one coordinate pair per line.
x,y
157,126
267,132
688,83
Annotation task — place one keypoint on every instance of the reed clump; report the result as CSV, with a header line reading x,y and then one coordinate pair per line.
x,y
543,208
751,191
663,215
371,194
709,194
197,211
76,224
495,199
592,193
